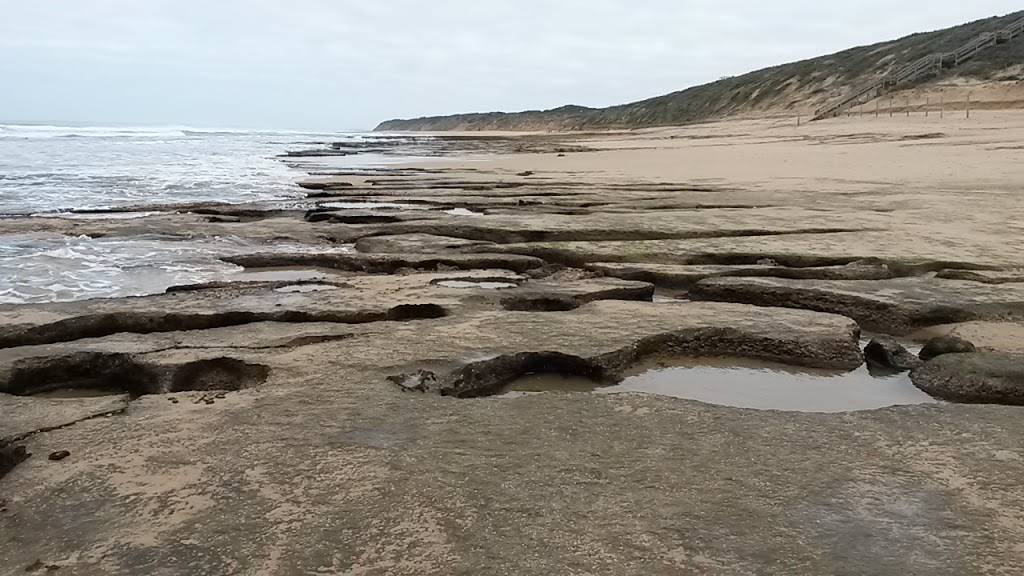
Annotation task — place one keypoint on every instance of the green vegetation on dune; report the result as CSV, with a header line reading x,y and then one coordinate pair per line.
x,y
802,85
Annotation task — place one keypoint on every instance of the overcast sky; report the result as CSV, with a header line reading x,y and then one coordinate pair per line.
x,y
338,64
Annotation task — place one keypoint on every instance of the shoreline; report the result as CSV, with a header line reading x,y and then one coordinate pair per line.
x,y
342,412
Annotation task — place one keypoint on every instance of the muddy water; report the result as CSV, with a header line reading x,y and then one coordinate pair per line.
x,y
747,384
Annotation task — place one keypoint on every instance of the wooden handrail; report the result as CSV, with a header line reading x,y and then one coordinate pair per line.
x,y
922,66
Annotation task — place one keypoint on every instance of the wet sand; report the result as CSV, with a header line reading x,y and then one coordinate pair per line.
x,y
280,428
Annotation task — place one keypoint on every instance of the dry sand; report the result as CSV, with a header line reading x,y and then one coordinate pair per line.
x,y
837,156
947,187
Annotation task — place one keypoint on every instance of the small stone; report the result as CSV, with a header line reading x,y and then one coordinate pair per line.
x,y
35,566
887,352
59,455
419,381
946,345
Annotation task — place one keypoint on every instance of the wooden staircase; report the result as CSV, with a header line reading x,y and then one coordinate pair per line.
x,y
924,67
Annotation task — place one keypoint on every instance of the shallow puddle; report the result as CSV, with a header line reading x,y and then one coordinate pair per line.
x,y
747,384
487,285
463,212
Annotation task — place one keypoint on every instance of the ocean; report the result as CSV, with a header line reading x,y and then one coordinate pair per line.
x,y
52,171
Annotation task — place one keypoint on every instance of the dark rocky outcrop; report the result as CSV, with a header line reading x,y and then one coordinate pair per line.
x,y
683,277
390,263
125,373
350,217
315,153
983,276
214,307
945,345
886,352
540,303
419,244
550,296
325,184
11,456
897,306
978,378
94,370
488,377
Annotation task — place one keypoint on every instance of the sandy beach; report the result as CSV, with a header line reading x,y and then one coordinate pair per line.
x,y
358,406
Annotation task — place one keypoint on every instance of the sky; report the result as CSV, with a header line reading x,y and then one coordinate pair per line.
x,y
349,64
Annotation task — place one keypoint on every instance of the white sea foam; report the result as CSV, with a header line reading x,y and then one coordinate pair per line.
x,y
62,168
53,268
65,171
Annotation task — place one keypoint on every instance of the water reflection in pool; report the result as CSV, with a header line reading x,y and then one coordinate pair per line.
x,y
747,384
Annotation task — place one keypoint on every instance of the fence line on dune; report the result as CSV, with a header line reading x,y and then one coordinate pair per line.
x,y
927,66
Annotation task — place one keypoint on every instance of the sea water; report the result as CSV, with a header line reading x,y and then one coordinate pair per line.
x,y
52,171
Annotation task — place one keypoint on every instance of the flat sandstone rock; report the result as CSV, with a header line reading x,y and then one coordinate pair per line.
x,y
22,416
897,306
975,378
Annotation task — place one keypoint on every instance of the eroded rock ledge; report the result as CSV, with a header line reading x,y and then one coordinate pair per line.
x,y
687,329
387,480
897,306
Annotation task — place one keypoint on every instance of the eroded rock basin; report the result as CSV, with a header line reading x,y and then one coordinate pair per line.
x,y
743,383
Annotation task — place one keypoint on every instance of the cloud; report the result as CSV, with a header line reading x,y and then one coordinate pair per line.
x,y
327,63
